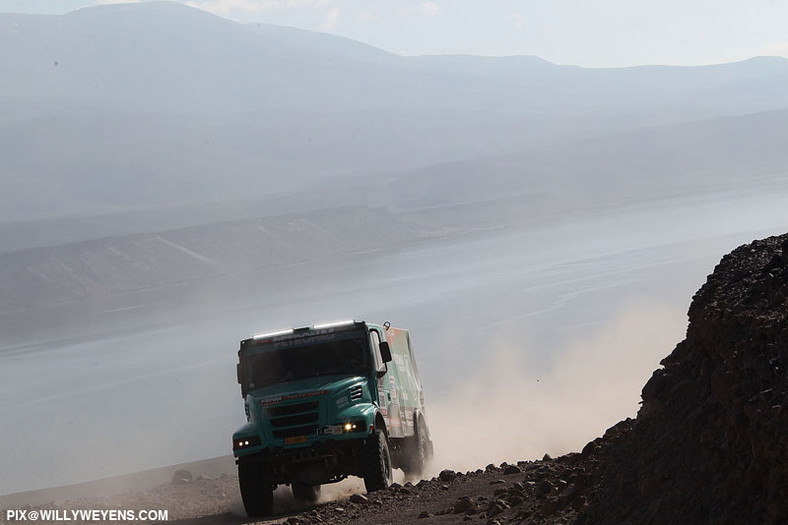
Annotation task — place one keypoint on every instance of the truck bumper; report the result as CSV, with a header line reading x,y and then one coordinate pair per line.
x,y
322,462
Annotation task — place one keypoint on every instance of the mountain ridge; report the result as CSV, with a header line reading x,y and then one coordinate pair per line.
x,y
83,270
108,69
126,108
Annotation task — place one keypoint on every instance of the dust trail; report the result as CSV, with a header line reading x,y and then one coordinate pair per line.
x,y
285,502
352,485
505,412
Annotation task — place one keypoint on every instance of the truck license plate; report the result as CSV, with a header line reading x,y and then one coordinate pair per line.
x,y
295,439
333,430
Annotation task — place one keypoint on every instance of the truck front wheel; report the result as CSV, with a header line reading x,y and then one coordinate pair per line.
x,y
304,492
257,488
377,462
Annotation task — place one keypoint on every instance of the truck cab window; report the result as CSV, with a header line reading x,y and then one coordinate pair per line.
x,y
345,357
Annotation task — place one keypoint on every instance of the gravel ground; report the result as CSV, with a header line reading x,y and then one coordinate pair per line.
x,y
526,492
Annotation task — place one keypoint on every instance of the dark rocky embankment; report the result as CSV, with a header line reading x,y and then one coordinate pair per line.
x,y
710,443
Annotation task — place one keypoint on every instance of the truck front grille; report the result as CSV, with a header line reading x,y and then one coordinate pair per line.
x,y
287,410
309,430
289,421
298,419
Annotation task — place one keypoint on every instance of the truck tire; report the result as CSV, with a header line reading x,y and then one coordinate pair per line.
x,y
257,489
304,492
377,462
416,451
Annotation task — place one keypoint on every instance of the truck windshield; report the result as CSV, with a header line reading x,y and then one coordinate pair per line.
x,y
278,365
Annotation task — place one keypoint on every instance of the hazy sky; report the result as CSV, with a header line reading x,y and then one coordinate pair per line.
x,y
594,33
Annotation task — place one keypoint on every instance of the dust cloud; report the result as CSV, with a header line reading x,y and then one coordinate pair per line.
x,y
504,412
284,501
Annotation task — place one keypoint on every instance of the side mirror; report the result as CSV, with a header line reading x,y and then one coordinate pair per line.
x,y
239,374
385,352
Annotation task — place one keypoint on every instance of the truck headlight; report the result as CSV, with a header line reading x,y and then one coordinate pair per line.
x,y
247,442
354,426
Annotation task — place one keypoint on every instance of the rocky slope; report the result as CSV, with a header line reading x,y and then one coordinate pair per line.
x,y
709,444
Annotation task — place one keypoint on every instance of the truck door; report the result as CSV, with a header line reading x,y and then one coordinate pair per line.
x,y
387,396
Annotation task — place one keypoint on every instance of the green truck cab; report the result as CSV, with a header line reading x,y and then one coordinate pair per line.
x,y
325,402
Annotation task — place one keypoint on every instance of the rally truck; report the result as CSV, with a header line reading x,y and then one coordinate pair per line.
x,y
325,402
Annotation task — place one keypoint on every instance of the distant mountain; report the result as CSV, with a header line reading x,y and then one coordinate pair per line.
x,y
692,158
125,108
166,56
118,265
90,162
163,56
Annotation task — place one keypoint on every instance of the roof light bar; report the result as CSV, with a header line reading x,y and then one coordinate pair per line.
x,y
272,334
334,324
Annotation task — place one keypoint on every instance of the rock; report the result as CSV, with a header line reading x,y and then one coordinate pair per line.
x,y
181,477
547,457
496,507
498,482
591,447
514,500
447,475
359,498
424,514
465,505
512,469
549,507
571,459
543,488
